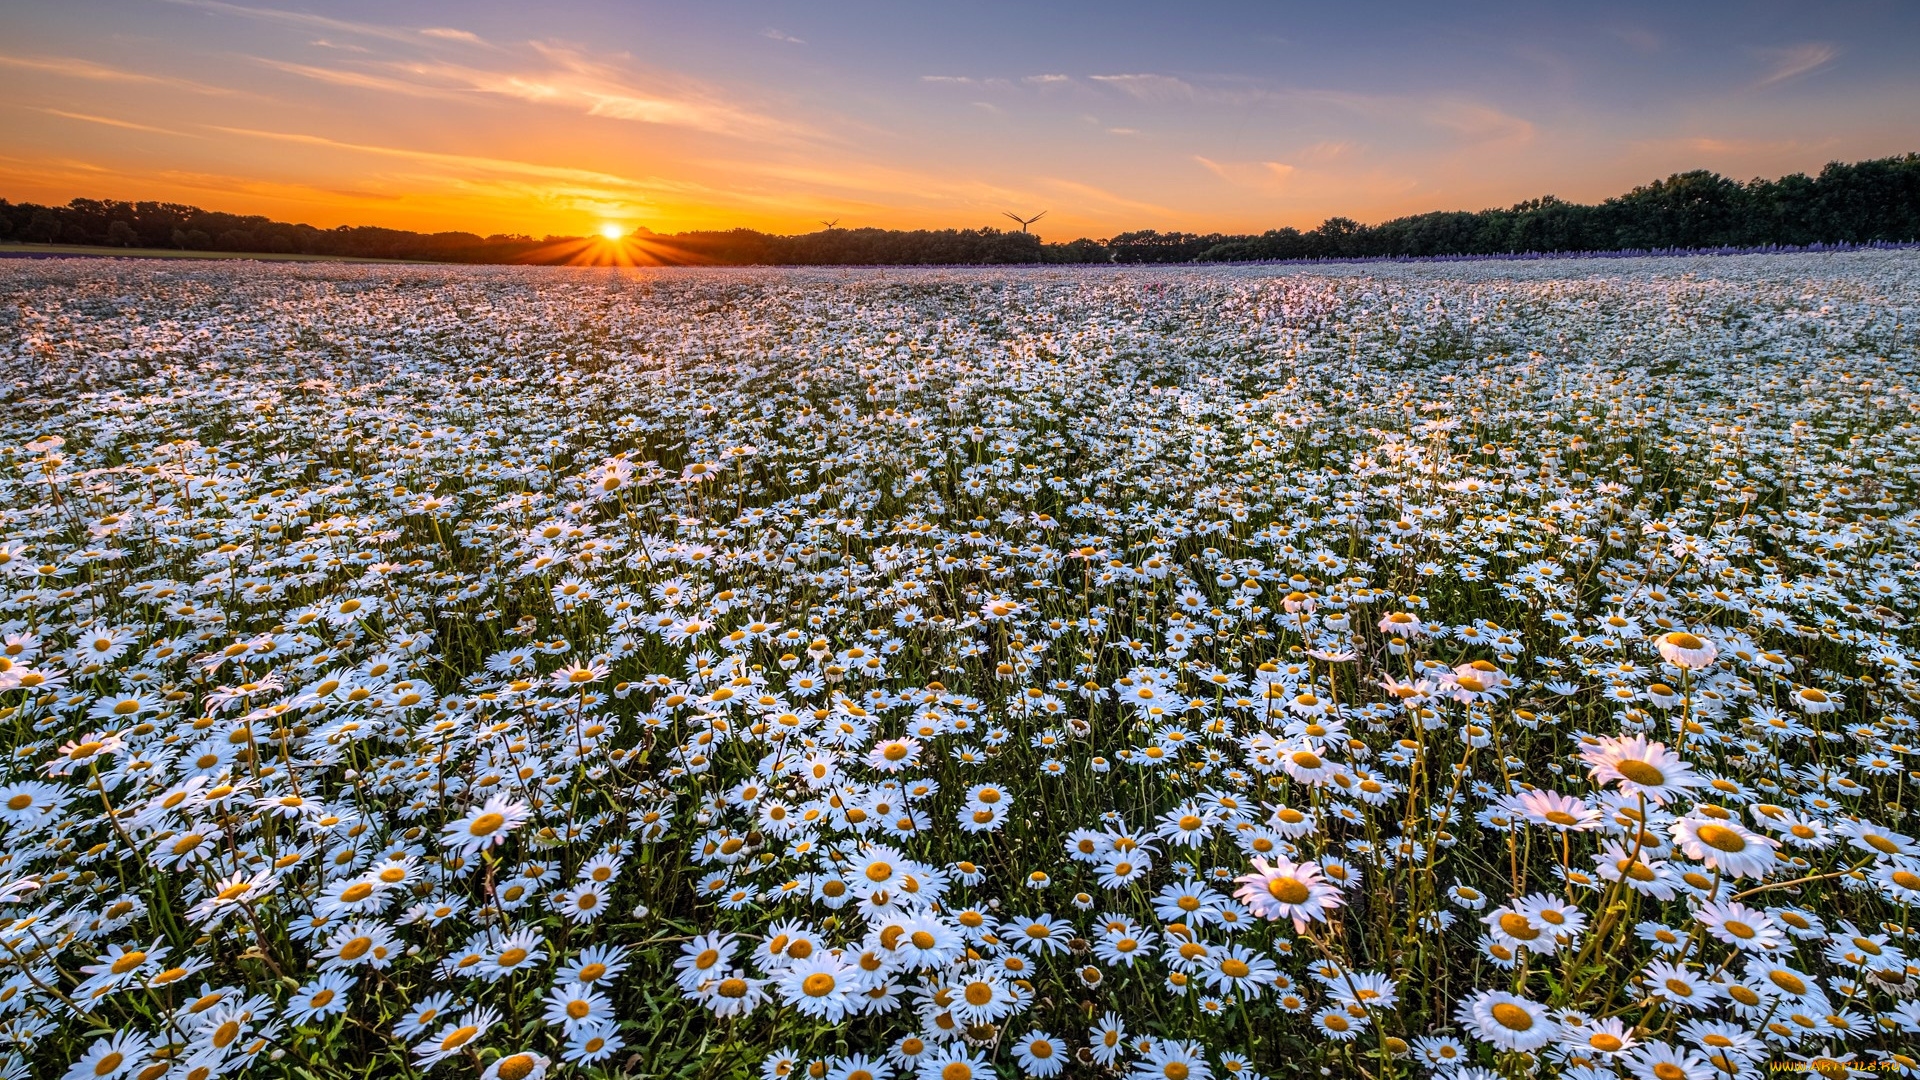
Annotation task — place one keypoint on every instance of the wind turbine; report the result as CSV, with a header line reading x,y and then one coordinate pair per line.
x,y
1024,222
831,224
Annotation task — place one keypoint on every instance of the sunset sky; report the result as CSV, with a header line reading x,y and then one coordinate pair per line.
x,y
563,117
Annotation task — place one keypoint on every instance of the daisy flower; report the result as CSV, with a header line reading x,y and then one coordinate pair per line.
x,y
110,1057
1039,1054
1741,926
1640,767
819,986
1507,1021
577,1005
1725,846
702,957
454,1036
319,999
1286,890
524,1065
1685,650
1558,811
483,827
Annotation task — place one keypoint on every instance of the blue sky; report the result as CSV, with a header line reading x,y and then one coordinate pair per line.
x,y
560,116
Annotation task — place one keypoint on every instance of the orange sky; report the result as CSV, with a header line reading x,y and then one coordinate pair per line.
x,y
562,117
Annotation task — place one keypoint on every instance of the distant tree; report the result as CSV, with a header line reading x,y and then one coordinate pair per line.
x,y
1078,251
45,227
121,234
1341,236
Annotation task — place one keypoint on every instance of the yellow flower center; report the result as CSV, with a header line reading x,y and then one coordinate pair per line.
x,y
1640,773
1512,1017
1516,926
1721,838
1288,890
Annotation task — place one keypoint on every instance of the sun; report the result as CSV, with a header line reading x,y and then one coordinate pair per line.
x,y
612,231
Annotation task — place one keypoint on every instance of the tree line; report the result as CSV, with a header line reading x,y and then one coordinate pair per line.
x,y
1847,203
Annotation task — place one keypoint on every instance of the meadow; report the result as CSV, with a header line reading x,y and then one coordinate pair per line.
x,y
1458,671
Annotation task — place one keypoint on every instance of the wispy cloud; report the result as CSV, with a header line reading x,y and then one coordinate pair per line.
x,y
449,34
781,35
75,68
1149,87
604,87
1267,177
1793,62
360,80
109,121
563,76
474,164
305,21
